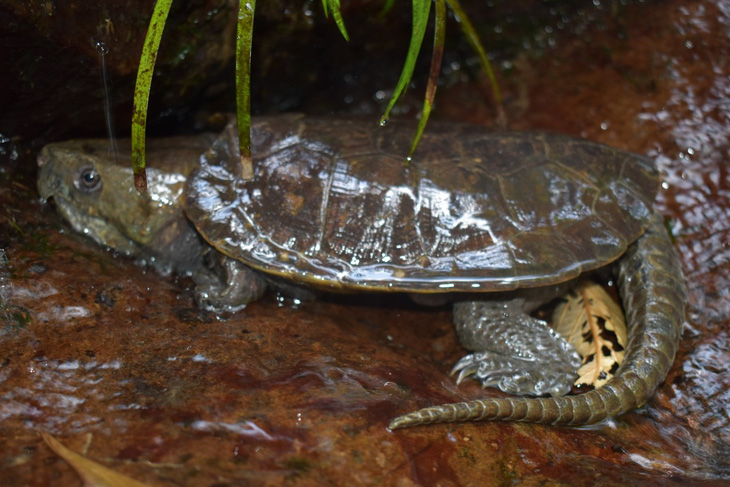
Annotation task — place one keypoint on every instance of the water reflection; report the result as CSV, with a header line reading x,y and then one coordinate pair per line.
x,y
696,193
247,428
56,395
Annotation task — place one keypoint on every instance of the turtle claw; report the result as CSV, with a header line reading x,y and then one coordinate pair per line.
x,y
515,375
512,350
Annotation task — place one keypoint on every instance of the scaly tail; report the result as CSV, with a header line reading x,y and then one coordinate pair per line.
x,y
653,293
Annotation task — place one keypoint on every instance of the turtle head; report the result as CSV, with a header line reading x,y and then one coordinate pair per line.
x,y
94,191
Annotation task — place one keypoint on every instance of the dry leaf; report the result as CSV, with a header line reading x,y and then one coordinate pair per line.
x,y
595,325
92,473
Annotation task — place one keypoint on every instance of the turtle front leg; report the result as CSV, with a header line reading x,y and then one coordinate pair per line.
x,y
513,351
226,284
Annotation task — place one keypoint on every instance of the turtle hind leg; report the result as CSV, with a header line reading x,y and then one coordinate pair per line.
x,y
513,351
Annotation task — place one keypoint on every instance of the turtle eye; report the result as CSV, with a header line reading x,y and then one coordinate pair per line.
x,y
88,180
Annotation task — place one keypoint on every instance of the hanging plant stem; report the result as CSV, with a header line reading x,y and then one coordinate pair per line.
x,y
421,9
142,91
244,40
334,5
439,37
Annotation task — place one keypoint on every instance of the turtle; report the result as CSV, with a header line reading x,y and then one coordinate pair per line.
x,y
497,222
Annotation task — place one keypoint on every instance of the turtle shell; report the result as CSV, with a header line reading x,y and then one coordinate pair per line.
x,y
333,204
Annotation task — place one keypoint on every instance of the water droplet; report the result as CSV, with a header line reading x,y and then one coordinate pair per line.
x,y
384,121
101,48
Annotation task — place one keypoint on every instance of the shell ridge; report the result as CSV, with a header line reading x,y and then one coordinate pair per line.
x,y
506,243
324,204
578,266
417,207
623,245
575,174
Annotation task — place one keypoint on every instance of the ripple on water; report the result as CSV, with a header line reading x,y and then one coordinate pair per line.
x,y
705,370
246,428
49,394
694,156
41,299
30,290
696,116
60,314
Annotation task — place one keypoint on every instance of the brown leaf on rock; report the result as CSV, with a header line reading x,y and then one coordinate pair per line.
x,y
92,473
595,325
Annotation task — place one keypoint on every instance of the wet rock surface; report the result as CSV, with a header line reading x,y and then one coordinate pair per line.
x,y
118,363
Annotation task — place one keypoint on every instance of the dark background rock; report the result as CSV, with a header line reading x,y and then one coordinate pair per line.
x,y
51,69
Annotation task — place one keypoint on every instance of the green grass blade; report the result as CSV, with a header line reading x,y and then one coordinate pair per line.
x,y
439,37
421,9
476,44
387,6
142,90
334,6
244,40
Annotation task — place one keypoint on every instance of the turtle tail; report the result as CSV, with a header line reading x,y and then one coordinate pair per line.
x,y
654,295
